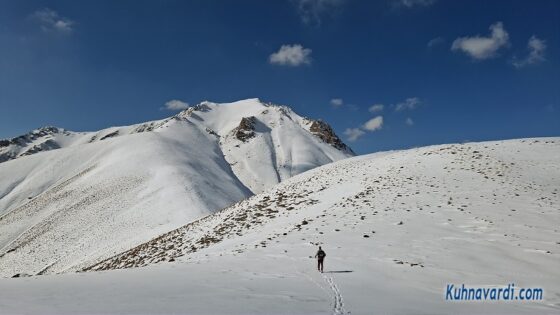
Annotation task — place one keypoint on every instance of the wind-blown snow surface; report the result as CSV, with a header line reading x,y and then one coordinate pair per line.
x,y
93,195
397,227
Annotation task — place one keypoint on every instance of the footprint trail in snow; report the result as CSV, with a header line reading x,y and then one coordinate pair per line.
x,y
338,303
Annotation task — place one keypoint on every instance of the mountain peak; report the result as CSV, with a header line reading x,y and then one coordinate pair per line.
x,y
242,117
165,172
218,119
325,132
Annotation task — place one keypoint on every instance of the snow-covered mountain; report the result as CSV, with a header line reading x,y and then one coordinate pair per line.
x,y
397,228
70,198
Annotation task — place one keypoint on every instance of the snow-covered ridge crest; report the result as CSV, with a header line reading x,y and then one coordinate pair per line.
x,y
27,144
255,109
51,138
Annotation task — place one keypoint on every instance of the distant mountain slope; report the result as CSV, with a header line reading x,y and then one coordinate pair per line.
x,y
400,224
86,196
52,138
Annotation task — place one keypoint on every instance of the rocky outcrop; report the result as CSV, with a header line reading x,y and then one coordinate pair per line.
x,y
43,146
150,126
189,112
246,129
31,136
12,148
323,131
4,143
110,135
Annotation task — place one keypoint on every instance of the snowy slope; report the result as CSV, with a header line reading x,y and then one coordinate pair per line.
x,y
95,194
397,228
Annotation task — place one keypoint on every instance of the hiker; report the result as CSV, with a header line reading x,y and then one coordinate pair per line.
x,y
320,257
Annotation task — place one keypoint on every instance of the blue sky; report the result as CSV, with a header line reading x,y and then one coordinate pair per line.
x,y
386,74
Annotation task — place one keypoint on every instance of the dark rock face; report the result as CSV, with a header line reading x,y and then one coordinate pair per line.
x,y
246,128
4,143
212,132
7,156
189,112
145,128
45,146
150,126
111,135
17,144
323,131
29,137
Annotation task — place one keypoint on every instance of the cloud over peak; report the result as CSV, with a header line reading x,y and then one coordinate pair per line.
x,y
175,105
50,21
291,55
483,47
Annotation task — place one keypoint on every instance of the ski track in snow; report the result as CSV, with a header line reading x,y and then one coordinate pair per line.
x,y
338,302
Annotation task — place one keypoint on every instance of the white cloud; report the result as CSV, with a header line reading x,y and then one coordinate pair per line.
x,y
175,105
435,41
311,11
410,103
291,55
413,3
376,108
374,124
480,47
51,21
337,102
353,133
537,49
371,125
409,121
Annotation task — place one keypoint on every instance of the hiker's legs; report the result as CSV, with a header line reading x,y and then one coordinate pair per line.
x,y
320,265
